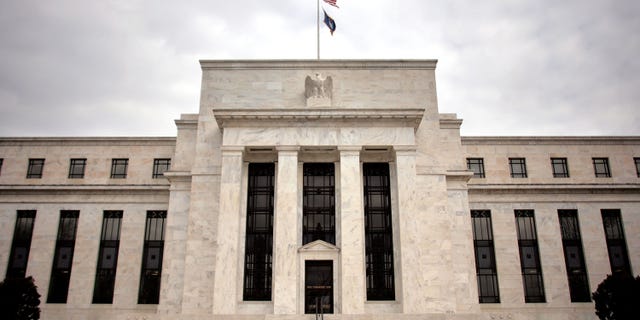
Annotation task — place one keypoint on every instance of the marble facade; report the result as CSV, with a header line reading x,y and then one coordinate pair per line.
x,y
378,111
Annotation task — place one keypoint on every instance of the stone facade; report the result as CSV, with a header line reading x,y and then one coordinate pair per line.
x,y
377,111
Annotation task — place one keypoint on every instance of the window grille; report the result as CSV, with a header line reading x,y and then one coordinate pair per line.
x,y
63,257
486,270
258,256
378,232
318,203
574,256
119,168
160,166
529,256
616,243
601,167
518,167
34,171
152,254
76,168
477,166
107,257
21,245
560,167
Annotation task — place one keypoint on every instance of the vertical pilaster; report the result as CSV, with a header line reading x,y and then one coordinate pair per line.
x,y
352,232
226,271
409,227
285,272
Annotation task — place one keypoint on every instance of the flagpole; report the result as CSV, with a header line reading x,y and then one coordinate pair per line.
x,y
318,26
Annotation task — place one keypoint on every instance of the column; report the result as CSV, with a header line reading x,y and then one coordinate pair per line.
x,y
285,243
225,294
352,231
411,236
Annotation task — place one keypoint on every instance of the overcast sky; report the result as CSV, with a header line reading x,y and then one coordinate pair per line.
x,y
128,67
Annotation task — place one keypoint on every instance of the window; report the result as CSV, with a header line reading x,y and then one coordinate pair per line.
x,y
486,271
34,171
616,244
1,160
378,232
152,258
601,167
76,168
119,168
518,167
529,256
636,160
560,167
63,257
258,255
574,256
160,166
107,257
477,166
21,244
318,203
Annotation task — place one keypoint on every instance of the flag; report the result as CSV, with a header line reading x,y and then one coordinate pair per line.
x,y
329,22
332,2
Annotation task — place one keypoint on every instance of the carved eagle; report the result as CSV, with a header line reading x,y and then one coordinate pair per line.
x,y
318,87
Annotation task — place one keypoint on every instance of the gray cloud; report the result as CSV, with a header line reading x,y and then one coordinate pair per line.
x,y
506,67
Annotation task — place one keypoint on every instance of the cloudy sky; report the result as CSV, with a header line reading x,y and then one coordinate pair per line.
x,y
130,67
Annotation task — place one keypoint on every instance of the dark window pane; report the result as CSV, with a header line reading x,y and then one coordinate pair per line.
x,y
63,257
160,166
34,170
529,256
636,160
378,232
601,167
259,233
152,255
76,168
518,167
119,168
616,243
107,257
560,167
19,255
318,203
477,166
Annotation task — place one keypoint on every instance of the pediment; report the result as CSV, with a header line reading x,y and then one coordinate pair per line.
x,y
319,246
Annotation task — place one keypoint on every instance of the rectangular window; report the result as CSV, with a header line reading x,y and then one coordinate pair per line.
x,y
560,167
486,271
616,243
152,258
160,166
636,160
574,256
63,257
518,167
318,203
258,256
34,171
119,168
2,160
21,244
477,166
601,167
76,168
107,257
529,256
378,232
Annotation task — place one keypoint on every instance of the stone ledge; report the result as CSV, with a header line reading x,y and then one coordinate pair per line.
x,y
253,117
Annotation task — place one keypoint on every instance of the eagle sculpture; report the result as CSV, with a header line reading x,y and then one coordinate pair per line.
x,y
318,87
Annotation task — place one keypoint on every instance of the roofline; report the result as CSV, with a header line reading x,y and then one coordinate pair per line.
x,y
550,140
52,141
422,64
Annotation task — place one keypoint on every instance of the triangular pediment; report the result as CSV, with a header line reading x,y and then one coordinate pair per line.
x,y
319,246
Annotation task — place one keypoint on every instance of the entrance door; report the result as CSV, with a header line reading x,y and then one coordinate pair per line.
x,y
318,289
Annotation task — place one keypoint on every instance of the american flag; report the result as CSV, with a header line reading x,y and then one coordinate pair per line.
x,y
332,2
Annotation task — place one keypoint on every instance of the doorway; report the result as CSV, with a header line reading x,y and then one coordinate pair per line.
x,y
318,289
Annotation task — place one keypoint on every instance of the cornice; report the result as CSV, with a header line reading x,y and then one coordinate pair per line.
x,y
88,141
317,64
552,140
250,117
555,188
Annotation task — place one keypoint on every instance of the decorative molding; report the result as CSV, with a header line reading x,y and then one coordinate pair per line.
x,y
317,64
88,141
555,140
319,246
287,117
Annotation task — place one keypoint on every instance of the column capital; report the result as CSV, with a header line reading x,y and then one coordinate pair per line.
x,y
349,150
232,150
288,148
405,150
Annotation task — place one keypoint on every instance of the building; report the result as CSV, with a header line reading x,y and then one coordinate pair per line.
x,y
322,186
